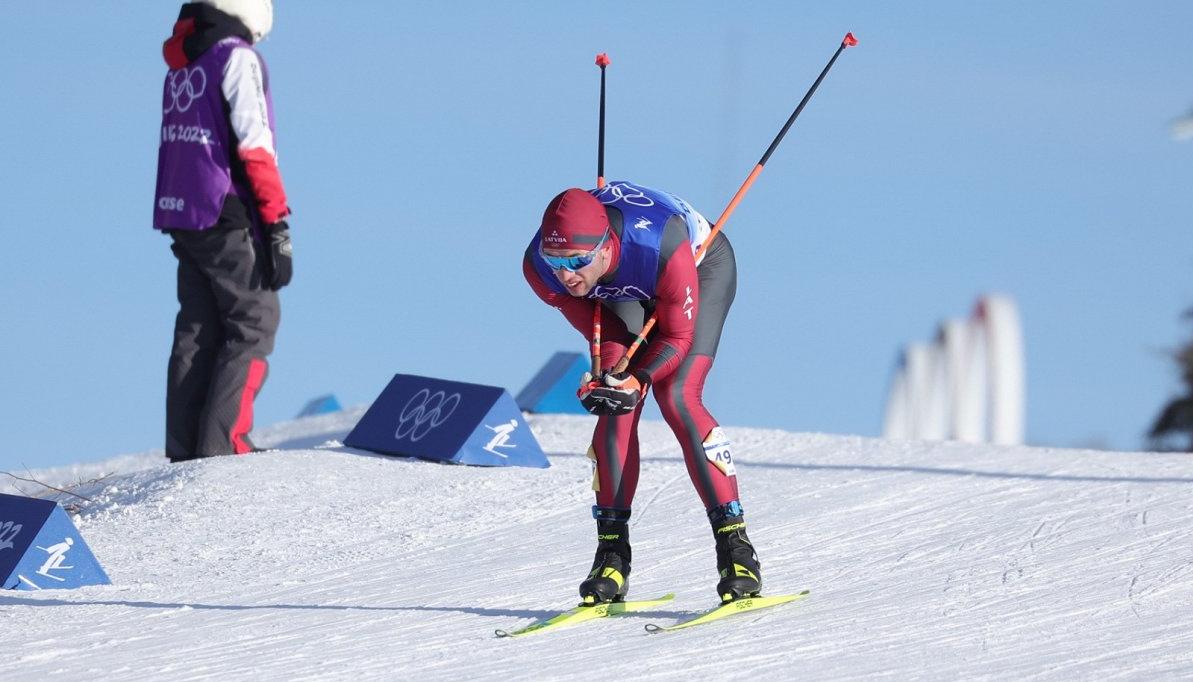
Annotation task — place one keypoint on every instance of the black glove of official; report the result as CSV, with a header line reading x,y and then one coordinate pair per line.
x,y
281,254
614,394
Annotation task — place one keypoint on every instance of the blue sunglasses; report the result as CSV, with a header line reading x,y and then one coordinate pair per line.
x,y
572,263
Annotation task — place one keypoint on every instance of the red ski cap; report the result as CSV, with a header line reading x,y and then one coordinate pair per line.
x,y
574,220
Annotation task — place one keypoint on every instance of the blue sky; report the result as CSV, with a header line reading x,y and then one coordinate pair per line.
x,y
961,148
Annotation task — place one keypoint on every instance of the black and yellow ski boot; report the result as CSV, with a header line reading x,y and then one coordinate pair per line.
x,y
608,581
737,563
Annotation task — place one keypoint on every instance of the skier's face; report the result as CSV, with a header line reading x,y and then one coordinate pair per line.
x,y
581,281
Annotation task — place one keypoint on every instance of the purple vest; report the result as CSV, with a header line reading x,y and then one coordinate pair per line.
x,y
194,160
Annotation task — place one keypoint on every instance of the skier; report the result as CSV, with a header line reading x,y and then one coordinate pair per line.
x,y
634,246
220,199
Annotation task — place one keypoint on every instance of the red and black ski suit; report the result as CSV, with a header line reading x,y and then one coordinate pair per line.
x,y
691,303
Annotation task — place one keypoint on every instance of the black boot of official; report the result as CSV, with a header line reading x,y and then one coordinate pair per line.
x,y
608,580
737,563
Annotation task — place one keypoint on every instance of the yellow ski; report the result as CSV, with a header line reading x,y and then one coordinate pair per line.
x,y
582,613
732,608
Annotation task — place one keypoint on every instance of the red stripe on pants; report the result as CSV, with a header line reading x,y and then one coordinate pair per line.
x,y
244,419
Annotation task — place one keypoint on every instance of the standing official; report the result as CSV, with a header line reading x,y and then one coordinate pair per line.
x,y
220,199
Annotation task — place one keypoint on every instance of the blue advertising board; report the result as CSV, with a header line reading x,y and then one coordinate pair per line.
x,y
324,404
553,388
449,421
40,548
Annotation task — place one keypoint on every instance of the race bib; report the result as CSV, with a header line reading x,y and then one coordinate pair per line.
x,y
596,476
716,450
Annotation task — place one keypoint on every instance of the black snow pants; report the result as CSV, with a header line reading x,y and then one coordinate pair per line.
x,y
227,320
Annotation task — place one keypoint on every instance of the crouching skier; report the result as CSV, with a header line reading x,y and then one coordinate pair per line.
x,y
220,198
633,247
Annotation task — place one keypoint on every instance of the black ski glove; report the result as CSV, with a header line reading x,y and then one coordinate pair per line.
x,y
281,254
614,394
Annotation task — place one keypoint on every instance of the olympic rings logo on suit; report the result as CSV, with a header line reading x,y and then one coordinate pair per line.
x,y
186,86
425,411
628,291
624,192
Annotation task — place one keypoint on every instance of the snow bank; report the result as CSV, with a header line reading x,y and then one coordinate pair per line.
x,y
936,560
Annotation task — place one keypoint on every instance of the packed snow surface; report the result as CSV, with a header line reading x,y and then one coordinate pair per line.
x,y
317,561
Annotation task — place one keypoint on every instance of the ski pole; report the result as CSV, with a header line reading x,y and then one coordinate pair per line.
x,y
602,60
848,41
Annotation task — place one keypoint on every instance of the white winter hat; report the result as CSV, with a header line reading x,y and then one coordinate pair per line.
x,y
257,15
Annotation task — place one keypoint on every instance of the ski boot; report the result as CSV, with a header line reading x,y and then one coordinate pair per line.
x,y
737,563
608,581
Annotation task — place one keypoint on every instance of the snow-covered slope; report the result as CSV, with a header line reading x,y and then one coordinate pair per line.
x,y
927,560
